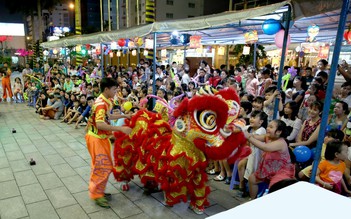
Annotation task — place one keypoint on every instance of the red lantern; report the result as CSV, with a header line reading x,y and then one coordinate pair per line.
x,y
121,42
87,46
347,36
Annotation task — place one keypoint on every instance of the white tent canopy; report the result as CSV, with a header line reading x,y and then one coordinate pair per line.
x,y
226,27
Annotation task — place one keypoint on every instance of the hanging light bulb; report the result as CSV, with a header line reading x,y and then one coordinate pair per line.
x,y
149,43
146,52
119,53
199,50
114,45
221,51
55,51
134,52
111,54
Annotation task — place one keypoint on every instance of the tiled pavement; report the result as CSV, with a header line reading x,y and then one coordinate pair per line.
x,y
56,187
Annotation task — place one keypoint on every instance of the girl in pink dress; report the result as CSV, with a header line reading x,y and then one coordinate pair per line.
x,y
276,163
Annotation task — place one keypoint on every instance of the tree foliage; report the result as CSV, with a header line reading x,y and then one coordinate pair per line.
x,y
237,50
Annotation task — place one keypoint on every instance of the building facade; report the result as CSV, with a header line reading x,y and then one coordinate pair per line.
x,y
133,12
90,12
60,16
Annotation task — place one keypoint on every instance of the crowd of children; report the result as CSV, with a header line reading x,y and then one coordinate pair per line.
x,y
69,95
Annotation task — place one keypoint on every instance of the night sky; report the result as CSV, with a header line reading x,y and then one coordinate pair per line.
x,y
6,17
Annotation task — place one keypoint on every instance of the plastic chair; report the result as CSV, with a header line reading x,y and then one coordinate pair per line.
x,y
235,176
262,189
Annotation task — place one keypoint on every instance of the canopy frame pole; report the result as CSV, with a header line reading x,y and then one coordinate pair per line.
x,y
110,59
154,71
255,55
118,63
65,60
128,58
102,59
227,57
138,56
282,59
184,55
300,58
330,87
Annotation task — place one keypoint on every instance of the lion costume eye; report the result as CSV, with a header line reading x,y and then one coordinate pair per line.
x,y
206,119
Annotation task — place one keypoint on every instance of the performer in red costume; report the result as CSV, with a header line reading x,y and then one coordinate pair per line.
x,y
6,82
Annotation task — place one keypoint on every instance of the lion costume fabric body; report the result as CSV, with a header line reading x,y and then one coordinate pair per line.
x,y
176,158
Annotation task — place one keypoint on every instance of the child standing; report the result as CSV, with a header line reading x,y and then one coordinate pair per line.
x,y
271,94
18,89
247,166
32,93
276,163
257,103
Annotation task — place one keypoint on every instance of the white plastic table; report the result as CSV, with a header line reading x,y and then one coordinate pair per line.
x,y
300,200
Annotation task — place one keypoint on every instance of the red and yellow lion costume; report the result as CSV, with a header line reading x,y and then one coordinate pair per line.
x,y
176,158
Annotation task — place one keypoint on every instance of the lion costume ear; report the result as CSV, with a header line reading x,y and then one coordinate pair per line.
x,y
182,108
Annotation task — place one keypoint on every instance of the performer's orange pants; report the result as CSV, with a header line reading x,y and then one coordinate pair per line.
x,y
6,85
101,165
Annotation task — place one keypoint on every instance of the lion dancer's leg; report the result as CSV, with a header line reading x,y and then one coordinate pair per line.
x,y
151,186
6,88
172,197
198,199
124,155
101,167
122,171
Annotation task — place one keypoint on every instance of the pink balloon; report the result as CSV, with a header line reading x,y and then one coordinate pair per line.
x,y
279,38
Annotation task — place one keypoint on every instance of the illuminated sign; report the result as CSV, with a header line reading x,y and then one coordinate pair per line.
x,y
60,31
11,29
